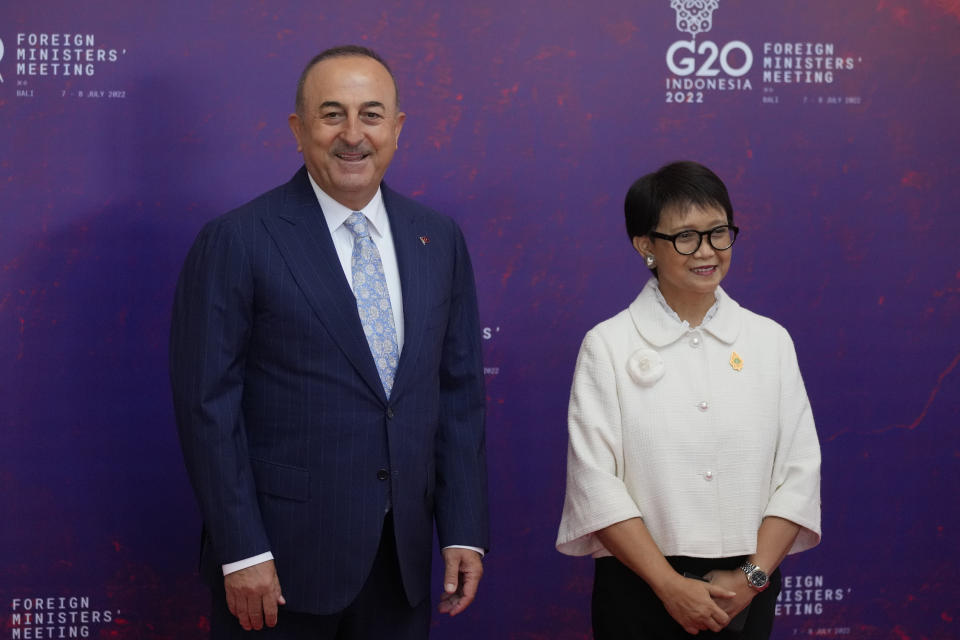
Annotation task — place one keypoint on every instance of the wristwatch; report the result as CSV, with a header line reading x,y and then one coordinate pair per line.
x,y
756,577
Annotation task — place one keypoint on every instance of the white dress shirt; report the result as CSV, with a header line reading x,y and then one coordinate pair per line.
x,y
701,431
336,214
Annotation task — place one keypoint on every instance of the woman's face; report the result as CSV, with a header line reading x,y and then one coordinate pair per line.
x,y
698,273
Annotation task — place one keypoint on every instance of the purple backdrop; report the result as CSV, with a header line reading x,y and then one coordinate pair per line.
x,y
833,123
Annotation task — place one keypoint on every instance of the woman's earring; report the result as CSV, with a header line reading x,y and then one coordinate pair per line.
x,y
651,261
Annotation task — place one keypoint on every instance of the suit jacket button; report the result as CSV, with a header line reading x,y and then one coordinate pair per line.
x,y
389,413
383,474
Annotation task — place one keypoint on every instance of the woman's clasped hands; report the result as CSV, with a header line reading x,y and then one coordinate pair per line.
x,y
697,605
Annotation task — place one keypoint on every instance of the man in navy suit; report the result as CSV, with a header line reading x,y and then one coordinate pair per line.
x,y
325,431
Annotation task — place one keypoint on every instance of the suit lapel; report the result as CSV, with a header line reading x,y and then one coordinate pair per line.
x,y
302,237
412,264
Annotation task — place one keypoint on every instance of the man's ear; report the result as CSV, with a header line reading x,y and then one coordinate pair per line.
x,y
401,117
294,121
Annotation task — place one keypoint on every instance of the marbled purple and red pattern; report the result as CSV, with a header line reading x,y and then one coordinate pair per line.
x,y
527,121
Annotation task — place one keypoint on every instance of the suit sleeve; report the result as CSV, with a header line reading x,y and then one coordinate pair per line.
x,y
461,468
210,330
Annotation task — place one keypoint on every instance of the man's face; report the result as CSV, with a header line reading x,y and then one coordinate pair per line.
x,y
349,127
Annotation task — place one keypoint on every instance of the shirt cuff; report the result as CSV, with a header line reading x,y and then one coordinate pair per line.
x,y
465,546
232,567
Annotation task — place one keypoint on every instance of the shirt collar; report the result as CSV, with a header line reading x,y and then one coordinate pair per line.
x,y
712,311
660,325
336,214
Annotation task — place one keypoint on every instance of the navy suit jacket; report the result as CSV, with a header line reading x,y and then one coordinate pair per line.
x,y
289,440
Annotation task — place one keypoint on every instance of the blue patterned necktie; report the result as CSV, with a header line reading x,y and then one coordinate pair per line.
x,y
373,300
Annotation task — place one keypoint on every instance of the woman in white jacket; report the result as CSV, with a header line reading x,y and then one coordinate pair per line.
x,y
693,465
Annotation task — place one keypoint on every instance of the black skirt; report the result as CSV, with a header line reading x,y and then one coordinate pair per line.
x,y
626,608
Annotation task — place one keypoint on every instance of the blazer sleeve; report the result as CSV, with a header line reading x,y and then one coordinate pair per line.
x,y
795,481
596,495
210,329
461,509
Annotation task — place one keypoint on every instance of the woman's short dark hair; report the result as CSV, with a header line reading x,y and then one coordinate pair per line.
x,y
676,185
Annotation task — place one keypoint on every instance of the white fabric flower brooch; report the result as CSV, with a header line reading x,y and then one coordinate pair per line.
x,y
645,367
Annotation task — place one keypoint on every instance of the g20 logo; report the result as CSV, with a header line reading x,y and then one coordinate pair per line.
x,y
707,55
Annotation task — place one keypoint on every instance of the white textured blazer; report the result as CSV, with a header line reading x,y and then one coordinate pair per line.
x,y
702,432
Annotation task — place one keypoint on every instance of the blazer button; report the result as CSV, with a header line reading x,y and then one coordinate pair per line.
x,y
389,413
383,474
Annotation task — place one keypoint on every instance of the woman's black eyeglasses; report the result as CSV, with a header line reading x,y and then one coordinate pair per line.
x,y
687,242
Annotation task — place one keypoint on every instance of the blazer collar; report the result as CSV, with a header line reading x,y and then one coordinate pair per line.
x,y
301,232
414,264
660,328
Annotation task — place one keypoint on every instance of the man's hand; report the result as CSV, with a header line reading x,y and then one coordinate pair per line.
x,y
693,604
732,580
253,595
461,577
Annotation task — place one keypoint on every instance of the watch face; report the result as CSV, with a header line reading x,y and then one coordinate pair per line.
x,y
757,578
